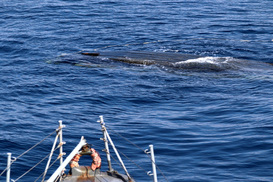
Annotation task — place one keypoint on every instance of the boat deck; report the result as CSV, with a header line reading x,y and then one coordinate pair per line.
x,y
85,174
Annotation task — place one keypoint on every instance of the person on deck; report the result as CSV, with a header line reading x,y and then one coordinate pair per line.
x,y
87,150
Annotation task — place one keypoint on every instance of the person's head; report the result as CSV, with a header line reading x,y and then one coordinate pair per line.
x,y
85,148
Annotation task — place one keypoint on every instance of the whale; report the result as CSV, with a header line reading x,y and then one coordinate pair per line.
x,y
165,60
144,58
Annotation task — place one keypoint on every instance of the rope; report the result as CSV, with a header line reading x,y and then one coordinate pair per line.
x,y
27,152
35,165
117,161
32,168
126,139
133,161
139,148
48,168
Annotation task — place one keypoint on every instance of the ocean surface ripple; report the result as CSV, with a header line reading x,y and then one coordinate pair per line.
x,y
209,117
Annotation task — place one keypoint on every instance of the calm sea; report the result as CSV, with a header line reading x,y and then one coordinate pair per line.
x,y
209,119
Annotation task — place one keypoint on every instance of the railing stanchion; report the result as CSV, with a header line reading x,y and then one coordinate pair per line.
x,y
106,143
61,140
151,152
8,167
114,148
153,162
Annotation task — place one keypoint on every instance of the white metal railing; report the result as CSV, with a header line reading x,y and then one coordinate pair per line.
x,y
10,161
60,137
67,160
59,172
104,130
8,167
151,152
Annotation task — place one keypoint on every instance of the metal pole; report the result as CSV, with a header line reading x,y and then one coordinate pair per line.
x,y
153,162
106,143
50,156
113,146
67,160
8,167
120,160
61,140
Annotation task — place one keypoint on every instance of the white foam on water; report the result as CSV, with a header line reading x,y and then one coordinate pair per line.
x,y
208,63
221,64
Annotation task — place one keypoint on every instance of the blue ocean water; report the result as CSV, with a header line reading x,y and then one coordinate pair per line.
x,y
209,119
